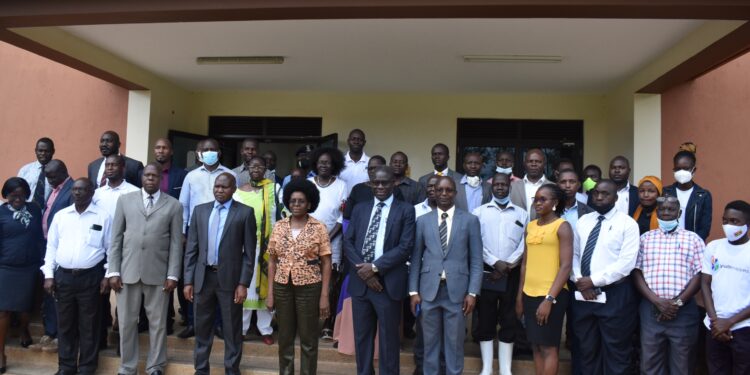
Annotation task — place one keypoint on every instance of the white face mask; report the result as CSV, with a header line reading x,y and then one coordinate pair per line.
x,y
682,176
507,171
734,232
473,181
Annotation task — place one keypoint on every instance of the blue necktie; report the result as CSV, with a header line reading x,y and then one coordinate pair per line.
x,y
588,251
368,249
213,238
444,232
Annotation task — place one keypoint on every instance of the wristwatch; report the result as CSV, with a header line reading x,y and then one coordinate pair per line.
x,y
551,299
677,302
374,268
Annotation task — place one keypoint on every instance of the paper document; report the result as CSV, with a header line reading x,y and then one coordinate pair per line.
x,y
601,298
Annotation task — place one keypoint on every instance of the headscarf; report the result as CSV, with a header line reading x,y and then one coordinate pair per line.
x,y
654,224
689,146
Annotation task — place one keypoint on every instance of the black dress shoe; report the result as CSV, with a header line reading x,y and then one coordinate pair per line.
x,y
219,332
170,329
157,372
188,332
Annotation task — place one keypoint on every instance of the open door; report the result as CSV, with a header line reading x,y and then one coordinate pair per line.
x,y
184,145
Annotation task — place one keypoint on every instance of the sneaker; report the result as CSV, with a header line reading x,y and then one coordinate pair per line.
x,y
45,340
327,335
51,346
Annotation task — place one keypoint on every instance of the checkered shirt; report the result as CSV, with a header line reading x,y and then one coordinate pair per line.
x,y
669,260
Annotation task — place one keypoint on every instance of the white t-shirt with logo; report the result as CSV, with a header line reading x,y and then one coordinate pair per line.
x,y
729,267
683,196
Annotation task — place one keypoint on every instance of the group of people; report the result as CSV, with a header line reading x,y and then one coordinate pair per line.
x,y
352,244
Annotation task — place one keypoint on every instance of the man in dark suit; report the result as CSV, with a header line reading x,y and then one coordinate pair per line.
x,y
445,278
378,242
440,154
57,175
109,144
627,194
470,191
219,263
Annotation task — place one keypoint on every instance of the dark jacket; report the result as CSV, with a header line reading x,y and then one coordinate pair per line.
x,y
64,199
176,177
133,170
698,211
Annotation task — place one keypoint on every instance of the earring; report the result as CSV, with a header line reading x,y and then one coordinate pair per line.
x,y
554,208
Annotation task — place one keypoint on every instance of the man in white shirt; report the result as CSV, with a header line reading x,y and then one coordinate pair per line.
x,y
355,161
197,188
33,172
522,191
74,267
106,196
605,250
627,194
502,225
725,286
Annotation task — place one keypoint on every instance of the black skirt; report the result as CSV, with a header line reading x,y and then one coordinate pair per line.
x,y
17,287
550,333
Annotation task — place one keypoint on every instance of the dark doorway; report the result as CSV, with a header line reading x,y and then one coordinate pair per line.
x,y
557,139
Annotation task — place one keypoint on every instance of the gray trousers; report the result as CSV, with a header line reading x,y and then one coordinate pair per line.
x,y
155,302
443,327
668,347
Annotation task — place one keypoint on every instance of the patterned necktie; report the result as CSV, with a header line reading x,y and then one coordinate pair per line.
x,y
368,249
213,238
39,190
588,251
444,232
150,204
440,174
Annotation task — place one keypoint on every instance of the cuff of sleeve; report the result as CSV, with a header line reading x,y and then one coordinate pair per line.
x,y
174,278
413,294
112,274
473,295
48,274
598,281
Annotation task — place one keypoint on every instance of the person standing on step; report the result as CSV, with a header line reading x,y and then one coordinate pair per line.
x,y
696,203
33,172
503,225
439,154
144,264
355,161
109,144
522,191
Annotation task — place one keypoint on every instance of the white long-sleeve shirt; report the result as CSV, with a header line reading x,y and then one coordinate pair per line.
x,y
77,241
502,232
616,249
30,172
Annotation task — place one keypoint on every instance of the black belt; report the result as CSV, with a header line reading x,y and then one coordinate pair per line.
x,y
212,268
77,271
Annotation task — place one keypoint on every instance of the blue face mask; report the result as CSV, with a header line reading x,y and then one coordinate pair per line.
x,y
502,201
210,157
667,225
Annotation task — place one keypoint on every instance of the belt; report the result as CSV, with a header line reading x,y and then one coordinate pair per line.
x,y
76,271
212,268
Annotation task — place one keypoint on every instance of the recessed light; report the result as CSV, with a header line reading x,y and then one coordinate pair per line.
x,y
513,58
239,60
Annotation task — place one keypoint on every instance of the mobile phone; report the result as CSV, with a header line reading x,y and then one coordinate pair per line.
x,y
419,310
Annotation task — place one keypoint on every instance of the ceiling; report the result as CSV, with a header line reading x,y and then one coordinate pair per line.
x,y
395,55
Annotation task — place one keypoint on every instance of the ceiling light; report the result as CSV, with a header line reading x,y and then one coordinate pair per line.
x,y
239,60
513,58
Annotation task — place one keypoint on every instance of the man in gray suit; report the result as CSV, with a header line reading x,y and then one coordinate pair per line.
x,y
471,192
522,191
445,278
219,263
440,156
145,259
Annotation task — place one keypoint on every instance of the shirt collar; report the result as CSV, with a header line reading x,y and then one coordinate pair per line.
x,y
573,207
226,204
219,168
508,206
444,171
450,212
388,201
609,215
362,159
145,195
626,188
122,185
538,183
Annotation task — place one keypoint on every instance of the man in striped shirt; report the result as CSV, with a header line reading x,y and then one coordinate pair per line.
x,y
667,274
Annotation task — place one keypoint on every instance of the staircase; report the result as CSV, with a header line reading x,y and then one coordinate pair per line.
x,y
257,358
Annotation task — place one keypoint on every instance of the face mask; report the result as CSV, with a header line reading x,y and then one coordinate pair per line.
x,y
682,176
667,225
473,181
734,232
501,201
602,210
588,184
507,171
210,157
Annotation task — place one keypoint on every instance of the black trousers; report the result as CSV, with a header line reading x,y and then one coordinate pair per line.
x,y
495,308
376,312
731,358
605,330
79,306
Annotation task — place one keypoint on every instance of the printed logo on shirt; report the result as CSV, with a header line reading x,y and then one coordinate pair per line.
x,y
714,263
716,266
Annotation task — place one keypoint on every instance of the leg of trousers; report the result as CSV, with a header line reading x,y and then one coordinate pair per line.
x,y
377,311
128,305
487,310
49,315
286,315
78,305
444,327
264,322
231,320
731,357
307,308
155,302
205,303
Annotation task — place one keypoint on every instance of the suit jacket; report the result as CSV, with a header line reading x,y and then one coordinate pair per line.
x,y
64,199
176,177
518,195
583,209
423,181
462,262
133,170
698,211
461,198
397,247
236,247
146,247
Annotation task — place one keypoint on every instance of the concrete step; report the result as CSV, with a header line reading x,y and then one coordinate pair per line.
x,y
257,358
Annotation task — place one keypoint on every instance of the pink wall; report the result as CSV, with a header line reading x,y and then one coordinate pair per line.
x,y
713,111
41,98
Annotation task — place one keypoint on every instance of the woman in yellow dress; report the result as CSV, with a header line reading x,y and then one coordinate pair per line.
x,y
260,194
542,294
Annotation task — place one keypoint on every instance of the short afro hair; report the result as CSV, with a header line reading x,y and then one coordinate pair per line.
x,y
14,183
738,205
305,187
337,159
